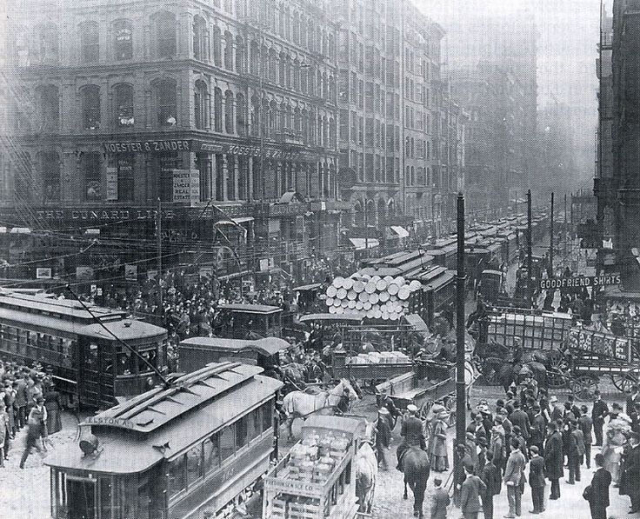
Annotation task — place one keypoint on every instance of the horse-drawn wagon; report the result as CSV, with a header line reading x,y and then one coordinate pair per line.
x,y
317,478
589,354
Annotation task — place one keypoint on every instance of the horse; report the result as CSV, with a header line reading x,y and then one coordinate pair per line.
x,y
416,469
298,404
366,470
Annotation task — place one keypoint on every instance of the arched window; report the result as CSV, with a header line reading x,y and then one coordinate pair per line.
x,y
23,180
229,118
296,75
325,86
228,50
304,78
217,109
122,40
311,35
264,62
47,43
287,71
217,46
358,214
273,119
166,35
332,88
167,102
332,133
273,64
331,47
89,42
305,125
408,175
241,55
241,115
90,166
311,81
49,103
201,105
282,65
282,117
123,102
241,8
255,58
296,28
297,122
382,214
90,107
50,175
200,39
255,116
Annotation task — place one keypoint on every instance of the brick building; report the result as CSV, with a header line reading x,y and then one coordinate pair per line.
x,y
224,113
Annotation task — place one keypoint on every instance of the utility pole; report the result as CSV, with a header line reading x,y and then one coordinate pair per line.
x,y
529,251
366,228
159,246
551,238
566,230
460,353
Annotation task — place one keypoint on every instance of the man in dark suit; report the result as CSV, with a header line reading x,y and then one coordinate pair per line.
x,y
586,424
412,432
553,459
576,451
520,418
491,477
536,480
632,398
632,472
538,428
598,414
599,499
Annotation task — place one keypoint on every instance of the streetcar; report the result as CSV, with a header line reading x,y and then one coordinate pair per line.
x,y
89,366
242,321
184,451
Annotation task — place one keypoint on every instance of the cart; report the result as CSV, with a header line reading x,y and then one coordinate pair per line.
x,y
315,492
590,354
389,365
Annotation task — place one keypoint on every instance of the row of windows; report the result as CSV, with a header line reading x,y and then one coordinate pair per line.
x,y
42,347
222,177
225,112
373,167
204,458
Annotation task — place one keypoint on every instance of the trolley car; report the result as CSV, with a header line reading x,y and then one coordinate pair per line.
x,y
183,452
88,364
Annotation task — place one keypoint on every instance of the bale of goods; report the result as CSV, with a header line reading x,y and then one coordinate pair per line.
x,y
371,297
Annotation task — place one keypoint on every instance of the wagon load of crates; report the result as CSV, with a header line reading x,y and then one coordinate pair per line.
x,y
383,357
372,297
316,479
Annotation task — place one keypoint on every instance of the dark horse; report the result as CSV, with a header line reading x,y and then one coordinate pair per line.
x,y
416,468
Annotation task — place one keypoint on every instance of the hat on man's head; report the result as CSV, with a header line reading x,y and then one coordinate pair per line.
x,y
412,408
383,411
553,399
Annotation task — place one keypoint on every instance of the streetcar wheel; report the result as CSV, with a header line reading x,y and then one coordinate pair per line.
x,y
624,381
583,387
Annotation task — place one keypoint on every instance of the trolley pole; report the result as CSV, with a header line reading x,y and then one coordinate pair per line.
x,y
159,237
460,353
551,238
529,251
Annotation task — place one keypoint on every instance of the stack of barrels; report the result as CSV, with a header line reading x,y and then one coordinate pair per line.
x,y
373,297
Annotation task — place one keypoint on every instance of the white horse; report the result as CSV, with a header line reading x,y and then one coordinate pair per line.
x,y
298,404
366,470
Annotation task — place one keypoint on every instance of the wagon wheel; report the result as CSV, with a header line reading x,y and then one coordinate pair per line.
x,y
583,386
490,369
451,409
557,370
425,408
624,381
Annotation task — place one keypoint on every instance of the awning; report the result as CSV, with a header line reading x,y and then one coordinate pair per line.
x,y
363,243
236,221
400,231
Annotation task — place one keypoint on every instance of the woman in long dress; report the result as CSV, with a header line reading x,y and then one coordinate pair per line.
x,y
439,456
613,443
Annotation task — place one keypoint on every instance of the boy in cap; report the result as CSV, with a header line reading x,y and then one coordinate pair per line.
x,y
440,501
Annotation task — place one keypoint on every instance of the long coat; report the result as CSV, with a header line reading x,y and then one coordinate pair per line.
x,y
491,478
536,472
553,456
600,488
470,492
520,418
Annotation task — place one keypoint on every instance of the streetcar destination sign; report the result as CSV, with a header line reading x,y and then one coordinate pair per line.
x,y
580,281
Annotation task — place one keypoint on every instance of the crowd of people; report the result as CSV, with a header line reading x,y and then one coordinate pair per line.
x,y
28,399
526,440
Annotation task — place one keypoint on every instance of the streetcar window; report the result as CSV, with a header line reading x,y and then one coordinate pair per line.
x,y
125,363
241,431
106,490
212,453
194,464
91,360
267,416
254,423
150,356
226,443
177,478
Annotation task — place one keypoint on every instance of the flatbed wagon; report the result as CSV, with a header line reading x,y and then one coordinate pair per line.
x,y
316,479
